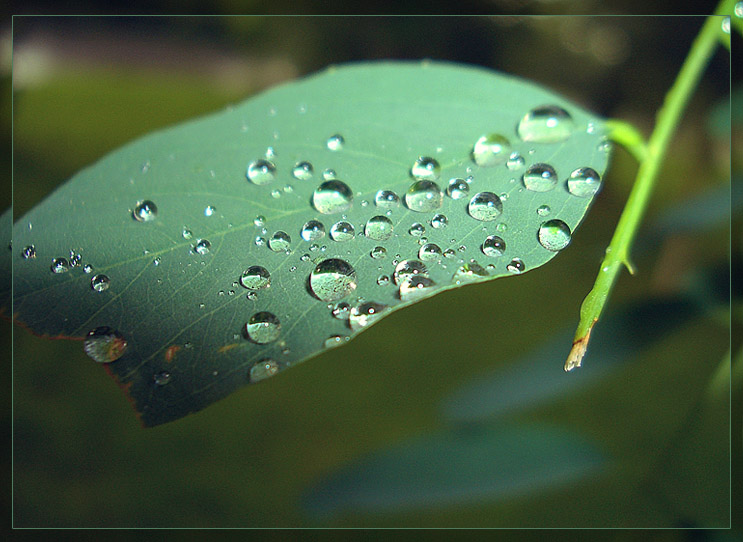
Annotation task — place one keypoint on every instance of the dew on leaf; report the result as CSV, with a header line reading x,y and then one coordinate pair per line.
x,y
255,277
342,231
335,340
493,246
424,196
161,378
378,228
409,268
60,265
100,283
516,266
469,272
209,210
313,230
457,189
328,174
335,142
543,210
104,344
439,221
87,268
515,161
429,252
378,253
303,171
341,310
333,279
386,199
417,229
584,182
202,246
546,124
383,280
187,234
261,172
259,221
28,252
540,178
145,211
365,314
554,235
263,327
485,206
426,168
415,287
280,241
332,196
263,369
491,150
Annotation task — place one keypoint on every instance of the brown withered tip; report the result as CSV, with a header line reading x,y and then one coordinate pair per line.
x,y
575,357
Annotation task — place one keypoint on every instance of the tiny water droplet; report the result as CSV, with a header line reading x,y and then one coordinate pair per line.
x,y
100,283
202,246
332,196
457,189
261,172
546,124
738,9
554,235
415,287
280,241
145,211
485,206
378,228
543,210
383,280
275,193
28,252
335,142
333,279
255,277
252,296
303,171
515,161
378,253
449,253
584,182
259,221
328,174
186,233
87,268
540,178
341,310
493,246
426,168
424,196
516,266
263,327
417,229
104,344
209,210
313,230
263,369
491,150
502,227
260,241
365,314
335,340
60,265
429,252
439,221
161,378
469,272
726,25
386,199
342,231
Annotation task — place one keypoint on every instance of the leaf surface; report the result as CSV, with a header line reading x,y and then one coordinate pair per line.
x,y
179,304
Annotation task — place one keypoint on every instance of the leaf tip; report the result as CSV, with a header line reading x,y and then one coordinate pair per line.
x,y
578,351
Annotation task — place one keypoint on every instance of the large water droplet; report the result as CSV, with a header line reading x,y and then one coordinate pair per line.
x,y
100,283
342,231
415,287
263,327
303,171
584,182
332,196
491,150
409,268
261,171
280,241
202,246
540,178
104,344
263,369
485,206
60,265
439,221
28,252
335,142
546,124
365,314
469,272
333,279
378,228
145,211
457,189
429,252
255,277
493,246
424,196
313,230
554,235
386,199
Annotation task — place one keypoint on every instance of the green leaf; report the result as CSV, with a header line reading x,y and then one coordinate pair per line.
x,y
176,312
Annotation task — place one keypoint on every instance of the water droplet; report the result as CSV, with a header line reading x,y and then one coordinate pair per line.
x,y
417,229
386,199
469,272
87,268
104,344
263,369
161,378
335,142
209,210
726,25
546,124
333,279
491,150
738,9
260,241
186,233
202,246
515,161
341,310
378,228
604,146
313,230
335,340
543,210
457,189
365,314
584,182
439,221
255,277
409,268
426,168
342,231
429,252
303,171
332,196
280,241
493,246
145,211
449,253
415,287
485,206
28,252
100,283
554,235
60,265
328,174
516,266
424,196
261,172
540,178
263,327
252,296
378,253
501,228
383,280
259,221
276,193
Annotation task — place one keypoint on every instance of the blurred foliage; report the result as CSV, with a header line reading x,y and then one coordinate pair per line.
x,y
80,458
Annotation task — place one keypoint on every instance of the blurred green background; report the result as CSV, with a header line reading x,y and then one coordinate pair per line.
x,y
82,86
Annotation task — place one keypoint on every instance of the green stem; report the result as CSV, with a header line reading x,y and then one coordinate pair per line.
x,y
651,158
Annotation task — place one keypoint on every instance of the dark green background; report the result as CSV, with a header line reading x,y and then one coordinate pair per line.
x,y
81,460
